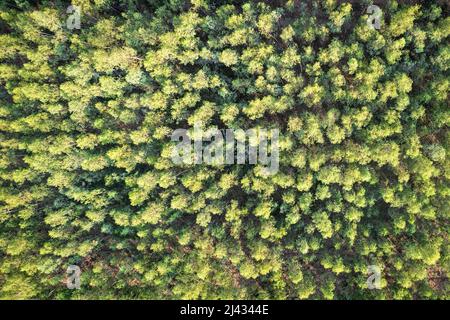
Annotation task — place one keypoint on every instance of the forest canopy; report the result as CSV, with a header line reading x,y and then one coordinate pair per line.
x,y
86,176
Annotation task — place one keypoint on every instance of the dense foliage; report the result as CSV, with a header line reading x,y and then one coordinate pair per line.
x,y
86,176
